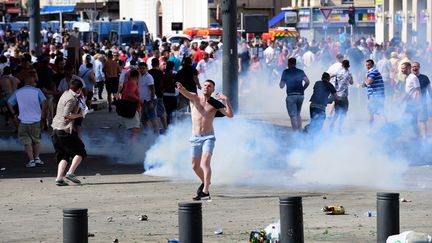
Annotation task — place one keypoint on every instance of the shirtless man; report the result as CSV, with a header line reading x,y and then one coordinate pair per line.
x,y
203,138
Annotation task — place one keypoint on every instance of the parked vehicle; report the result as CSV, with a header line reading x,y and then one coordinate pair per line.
x,y
124,32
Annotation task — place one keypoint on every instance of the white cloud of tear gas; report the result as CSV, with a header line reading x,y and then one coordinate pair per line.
x,y
250,153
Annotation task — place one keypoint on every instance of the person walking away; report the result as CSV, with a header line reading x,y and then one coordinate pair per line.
x,y
342,80
88,76
296,83
157,75
99,75
30,101
188,77
319,100
131,92
170,92
112,72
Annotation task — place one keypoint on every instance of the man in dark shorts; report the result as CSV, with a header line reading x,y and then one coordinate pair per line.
x,y
293,79
112,72
157,75
67,143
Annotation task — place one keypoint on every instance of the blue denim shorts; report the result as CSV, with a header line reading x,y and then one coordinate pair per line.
x,y
294,104
202,143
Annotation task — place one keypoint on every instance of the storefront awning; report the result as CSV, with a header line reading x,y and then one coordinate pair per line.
x,y
276,19
57,9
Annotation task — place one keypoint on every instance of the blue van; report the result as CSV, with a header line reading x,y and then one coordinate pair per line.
x,y
102,28
125,32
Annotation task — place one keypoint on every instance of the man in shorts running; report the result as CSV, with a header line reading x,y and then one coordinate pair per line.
x,y
203,112
296,82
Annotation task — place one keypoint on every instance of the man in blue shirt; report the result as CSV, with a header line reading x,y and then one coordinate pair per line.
x,y
296,82
319,100
30,100
375,91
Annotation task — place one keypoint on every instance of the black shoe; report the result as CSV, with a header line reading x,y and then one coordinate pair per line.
x,y
61,183
202,197
100,97
200,188
110,109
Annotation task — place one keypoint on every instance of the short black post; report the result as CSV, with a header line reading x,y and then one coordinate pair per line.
x,y
291,220
75,225
387,215
190,222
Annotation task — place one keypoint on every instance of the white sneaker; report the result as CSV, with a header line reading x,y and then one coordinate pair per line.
x,y
90,111
31,164
38,161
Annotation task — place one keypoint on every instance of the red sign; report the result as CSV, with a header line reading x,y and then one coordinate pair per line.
x,y
326,12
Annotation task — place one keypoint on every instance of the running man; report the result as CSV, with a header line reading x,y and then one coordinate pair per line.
x,y
203,112
296,83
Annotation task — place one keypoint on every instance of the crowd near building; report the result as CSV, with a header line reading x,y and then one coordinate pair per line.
x,y
144,74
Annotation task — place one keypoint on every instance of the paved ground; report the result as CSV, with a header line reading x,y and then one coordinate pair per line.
x,y
31,205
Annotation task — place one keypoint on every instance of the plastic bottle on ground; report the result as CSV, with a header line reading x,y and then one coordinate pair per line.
x,y
410,237
274,237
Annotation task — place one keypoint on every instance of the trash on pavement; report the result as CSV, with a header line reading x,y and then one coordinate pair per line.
x,y
143,217
409,237
333,210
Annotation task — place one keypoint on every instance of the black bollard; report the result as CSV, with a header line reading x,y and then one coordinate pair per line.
x,y
75,225
291,220
190,222
387,215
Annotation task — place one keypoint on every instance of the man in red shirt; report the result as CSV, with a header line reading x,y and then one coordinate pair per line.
x,y
199,54
131,93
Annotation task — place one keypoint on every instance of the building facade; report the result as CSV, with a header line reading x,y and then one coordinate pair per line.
x,y
159,14
411,20
313,24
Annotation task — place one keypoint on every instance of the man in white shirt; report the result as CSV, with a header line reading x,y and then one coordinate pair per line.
x,y
148,98
205,67
412,95
99,74
269,54
57,38
156,54
29,100
308,58
335,68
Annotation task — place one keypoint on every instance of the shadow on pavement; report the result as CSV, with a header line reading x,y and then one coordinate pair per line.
x,y
12,165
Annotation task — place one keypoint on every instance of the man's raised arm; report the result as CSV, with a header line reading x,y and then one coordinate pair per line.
x,y
191,96
227,111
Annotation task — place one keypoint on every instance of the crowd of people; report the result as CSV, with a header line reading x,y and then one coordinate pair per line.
x,y
389,72
51,90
